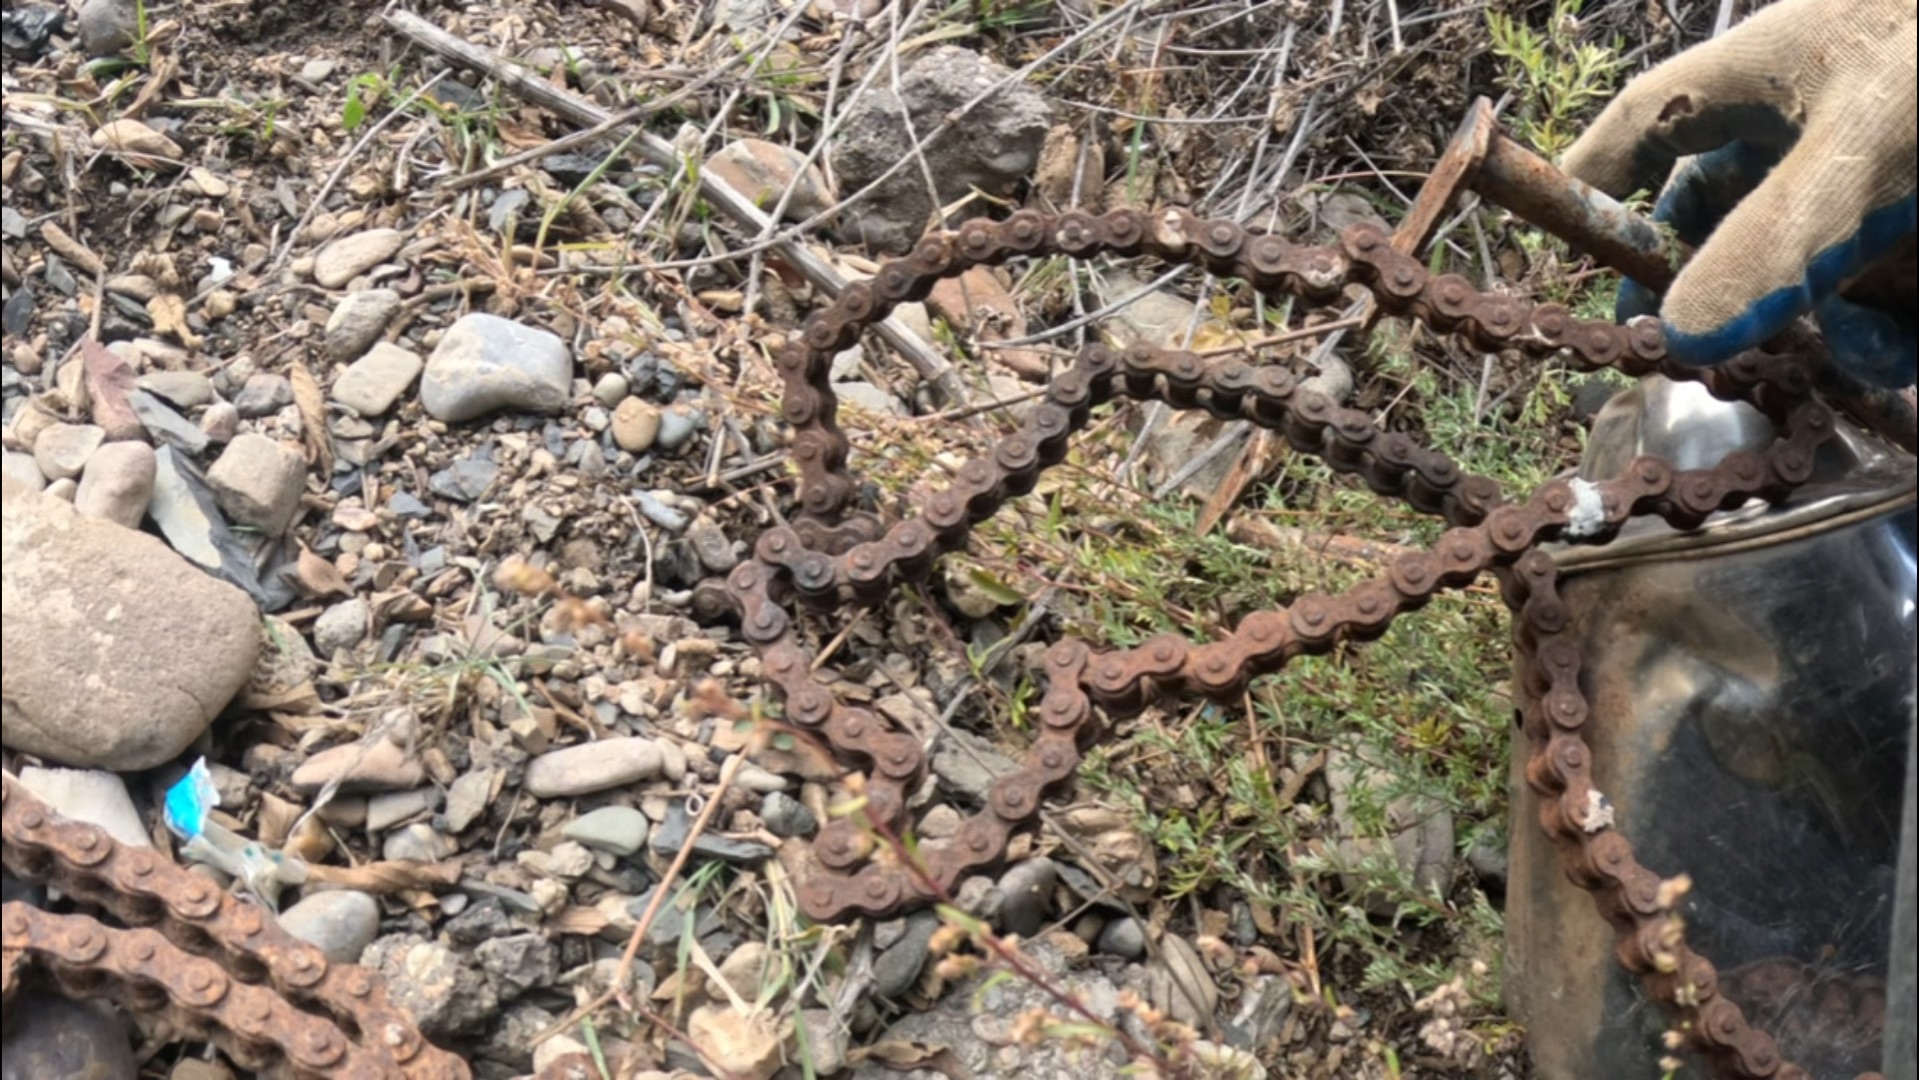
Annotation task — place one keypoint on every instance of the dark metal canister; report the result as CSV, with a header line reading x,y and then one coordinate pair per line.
x,y
1752,685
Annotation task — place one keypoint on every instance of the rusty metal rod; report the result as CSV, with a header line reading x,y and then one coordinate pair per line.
x,y
1578,213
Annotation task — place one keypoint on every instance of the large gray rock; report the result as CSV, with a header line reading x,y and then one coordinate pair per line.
x,y
486,364
119,653
992,148
107,26
49,1036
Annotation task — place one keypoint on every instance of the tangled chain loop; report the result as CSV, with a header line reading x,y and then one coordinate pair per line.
x,y
829,557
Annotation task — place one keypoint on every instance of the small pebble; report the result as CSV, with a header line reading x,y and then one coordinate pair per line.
x,y
621,830
62,450
611,389
636,424
258,482
1029,896
348,257
358,321
185,389
1124,938
372,384
392,808
342,626
263,394
677,425
415,843
381,766
118,483
786,816
341,922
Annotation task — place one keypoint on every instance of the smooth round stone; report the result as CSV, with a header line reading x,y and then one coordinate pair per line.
x,y
1124,938
487,364
636,424
341,923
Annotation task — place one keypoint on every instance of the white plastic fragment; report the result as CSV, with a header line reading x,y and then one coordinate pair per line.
x,y
1588,515
1599,814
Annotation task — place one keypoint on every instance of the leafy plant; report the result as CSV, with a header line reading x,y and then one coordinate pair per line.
x,y
1559,80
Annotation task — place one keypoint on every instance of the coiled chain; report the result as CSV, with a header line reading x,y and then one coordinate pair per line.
x,y
829,557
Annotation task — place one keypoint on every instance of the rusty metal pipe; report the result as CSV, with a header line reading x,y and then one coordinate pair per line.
x,y
1576,212
1484,159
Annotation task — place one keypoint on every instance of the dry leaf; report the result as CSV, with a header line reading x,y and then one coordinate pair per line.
x,y
741,1044
311,402
384,878
908,1056
169,313
317,577
108,380
142,146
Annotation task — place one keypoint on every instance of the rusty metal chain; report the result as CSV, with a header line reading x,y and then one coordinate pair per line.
x,y
829,557
198,958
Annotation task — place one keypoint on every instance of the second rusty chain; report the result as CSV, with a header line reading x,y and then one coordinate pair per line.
x,y
829,557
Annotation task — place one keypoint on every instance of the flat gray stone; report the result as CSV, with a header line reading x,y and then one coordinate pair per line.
x,y
487,364
346,258
357,322
263,394
185,389
621,830
591,767
372,384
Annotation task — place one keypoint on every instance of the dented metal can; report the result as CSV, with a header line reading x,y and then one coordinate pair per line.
x,y
1751,684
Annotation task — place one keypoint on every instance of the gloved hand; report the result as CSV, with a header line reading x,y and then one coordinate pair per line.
x,y
1804,117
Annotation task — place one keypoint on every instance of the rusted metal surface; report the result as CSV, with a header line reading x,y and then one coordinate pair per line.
x,y
830,558
199,959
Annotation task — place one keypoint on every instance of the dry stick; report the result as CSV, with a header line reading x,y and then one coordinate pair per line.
x,y
618,990
929,364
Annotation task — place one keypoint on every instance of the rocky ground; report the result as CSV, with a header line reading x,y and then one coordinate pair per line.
x,y
367,445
